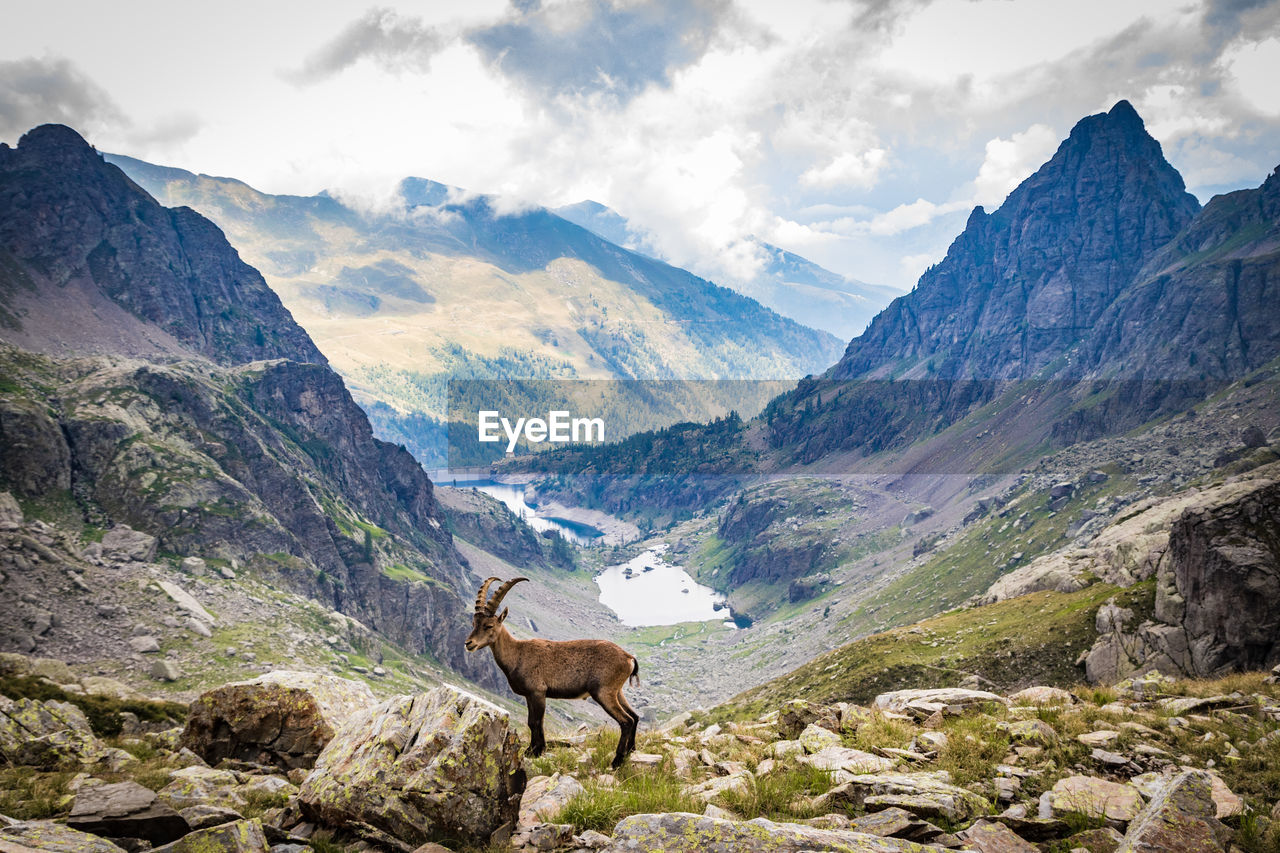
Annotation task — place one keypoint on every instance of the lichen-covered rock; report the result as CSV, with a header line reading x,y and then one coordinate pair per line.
x,y
849,760
815,738
1179,819
1032,732
47,735
988,837
420,768
126,810
241,836
203,786
544,797
282,718
1095,798
949,697
53,837
681,832
1041,695
927,795
797,714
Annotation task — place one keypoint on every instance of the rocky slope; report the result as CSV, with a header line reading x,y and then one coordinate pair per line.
x,y
230,440
1154,764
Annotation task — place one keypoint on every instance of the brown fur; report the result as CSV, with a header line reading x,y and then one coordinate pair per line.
x,y
545,669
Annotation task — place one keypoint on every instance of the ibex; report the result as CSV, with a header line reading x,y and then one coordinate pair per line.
x,y
542,669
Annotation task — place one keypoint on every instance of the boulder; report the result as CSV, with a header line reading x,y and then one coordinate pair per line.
x,y
439,764
988,837
283,718
795,715
187,602
1095,798
544,797
951,698
815,738
47,735
849,760
124,543
681,832
10,511
926,795
894,823
165,670
203,817
203,786
1104,840
53,837
1040,695
1032,732
717,785
126,810
242,836
1179,819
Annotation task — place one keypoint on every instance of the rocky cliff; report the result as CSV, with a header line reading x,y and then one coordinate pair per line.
x,y
75,227
230,438
1021,286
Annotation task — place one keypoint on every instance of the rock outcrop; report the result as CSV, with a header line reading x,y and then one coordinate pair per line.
x,y
439,765
126,810
1217,567
679,832
282,718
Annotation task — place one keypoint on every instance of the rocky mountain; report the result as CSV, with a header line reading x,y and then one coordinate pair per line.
x,y
154,383
451,285
793,286
1020,287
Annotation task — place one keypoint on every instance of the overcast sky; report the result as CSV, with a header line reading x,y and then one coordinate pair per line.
x,y
858,134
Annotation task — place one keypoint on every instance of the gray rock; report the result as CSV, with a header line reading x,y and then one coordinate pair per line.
x,y
165,670
927,795
286,716
1179,819
47,734
126,810
124,543
680,832
418,767
193,566
10,511
242,836
988,837
195,626
144,645
52,837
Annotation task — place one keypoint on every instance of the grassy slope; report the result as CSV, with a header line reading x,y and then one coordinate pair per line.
x,y
1032,639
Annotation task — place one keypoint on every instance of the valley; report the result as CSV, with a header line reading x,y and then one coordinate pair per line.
x,y
1053,466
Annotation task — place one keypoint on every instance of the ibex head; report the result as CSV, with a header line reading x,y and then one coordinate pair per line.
x,y
487,621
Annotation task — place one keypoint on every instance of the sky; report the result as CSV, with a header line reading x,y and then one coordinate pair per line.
x,y
857,133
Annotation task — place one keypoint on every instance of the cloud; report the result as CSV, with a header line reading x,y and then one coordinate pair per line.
x,y
52,90
848,170
394,42
592,47
1009,161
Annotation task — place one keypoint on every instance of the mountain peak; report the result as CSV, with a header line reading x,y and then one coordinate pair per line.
x,y
57,145
1020,286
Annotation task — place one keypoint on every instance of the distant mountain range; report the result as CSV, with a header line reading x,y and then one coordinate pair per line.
x,y
447,286
793,286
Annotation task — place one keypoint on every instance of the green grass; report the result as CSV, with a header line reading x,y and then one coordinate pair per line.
x,y
103,712
27,794
640,792
780,795
1034,638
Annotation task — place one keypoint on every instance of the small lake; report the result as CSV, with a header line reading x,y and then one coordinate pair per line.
x,y
648,590
513,496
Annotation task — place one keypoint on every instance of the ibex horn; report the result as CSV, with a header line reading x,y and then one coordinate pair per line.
x,y
492,606
484,588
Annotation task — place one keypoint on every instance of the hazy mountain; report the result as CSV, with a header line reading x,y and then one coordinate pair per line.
x,y
152,379
793,286
449,285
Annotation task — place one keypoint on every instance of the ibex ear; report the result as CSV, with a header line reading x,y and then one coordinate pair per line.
x,y
502,617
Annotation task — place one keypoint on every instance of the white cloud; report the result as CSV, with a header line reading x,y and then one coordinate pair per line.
x,y
848,170
1010,161
1256,69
